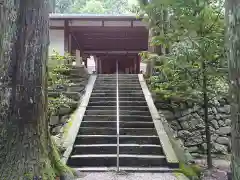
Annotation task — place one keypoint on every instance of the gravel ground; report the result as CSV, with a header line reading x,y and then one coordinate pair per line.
x,y
219,172
127,176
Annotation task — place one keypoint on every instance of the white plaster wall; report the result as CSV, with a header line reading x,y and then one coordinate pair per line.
x,y
56,41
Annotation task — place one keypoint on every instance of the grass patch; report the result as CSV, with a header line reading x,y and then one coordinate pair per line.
x,y
193,171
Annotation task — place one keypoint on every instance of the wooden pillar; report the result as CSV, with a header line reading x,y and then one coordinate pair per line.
x,y
66,36
138,61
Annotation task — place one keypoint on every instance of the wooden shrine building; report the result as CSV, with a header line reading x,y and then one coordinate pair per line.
x,y
111,40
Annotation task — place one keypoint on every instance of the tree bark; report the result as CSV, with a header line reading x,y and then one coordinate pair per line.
x,y
25,146
233,45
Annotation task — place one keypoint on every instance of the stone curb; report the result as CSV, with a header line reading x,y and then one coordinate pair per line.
x,y
164,139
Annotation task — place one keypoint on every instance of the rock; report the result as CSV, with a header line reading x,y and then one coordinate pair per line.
x,y
65,118
228,122
224,130
64,110
57,130
73,95
215,124
193,149
185,118
219,148
221,123
175,125
194,140
211,117
187,111
57,140
222,102
214,110
168,114
204,146
214,137
67,177
224,109
184,134
223,140
54,120
184,124
218,116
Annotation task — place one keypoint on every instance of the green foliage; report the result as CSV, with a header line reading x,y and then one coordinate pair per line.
x,y
194,32
94,6
57,81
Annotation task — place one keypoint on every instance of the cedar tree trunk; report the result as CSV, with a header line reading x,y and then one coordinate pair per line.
x,y
233,45
25,146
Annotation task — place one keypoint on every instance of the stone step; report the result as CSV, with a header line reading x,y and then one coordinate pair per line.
x,y
100,118
140,98
121,103
100,112
132,94
131,103
120,85
113,124
97,131
114,87
103,91
121,118
114,112
112,131
129,169
115,98
134,108
110,160
103,95
102,81
143,149
101,108
120,94
112,139
138,131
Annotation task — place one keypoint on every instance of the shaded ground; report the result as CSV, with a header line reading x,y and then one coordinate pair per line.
x,y
127,176
219,172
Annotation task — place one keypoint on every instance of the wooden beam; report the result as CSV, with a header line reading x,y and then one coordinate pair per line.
x,y
99,29
112,52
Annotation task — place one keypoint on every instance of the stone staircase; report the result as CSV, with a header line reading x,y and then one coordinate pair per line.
x,y
95,148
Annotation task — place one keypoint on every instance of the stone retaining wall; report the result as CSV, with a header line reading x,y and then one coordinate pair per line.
x,y
187,121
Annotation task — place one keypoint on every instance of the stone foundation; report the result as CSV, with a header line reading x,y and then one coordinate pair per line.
x,y
187,121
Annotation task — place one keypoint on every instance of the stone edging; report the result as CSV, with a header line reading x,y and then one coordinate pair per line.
x,y
77,119
164,139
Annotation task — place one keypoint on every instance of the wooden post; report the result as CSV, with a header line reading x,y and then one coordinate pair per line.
x,y
78,58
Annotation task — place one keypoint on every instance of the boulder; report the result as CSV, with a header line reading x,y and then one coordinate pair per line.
x,y
224,130
219,148
193,149
64,110
221,123
224,109
184,134
228,122
215,124
223,140
54,120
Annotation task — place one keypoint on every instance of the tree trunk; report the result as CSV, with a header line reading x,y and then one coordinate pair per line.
x,y
25,146
233,37
207,126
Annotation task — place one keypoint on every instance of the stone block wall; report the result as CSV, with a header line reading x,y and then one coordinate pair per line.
x,y
187,121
